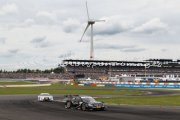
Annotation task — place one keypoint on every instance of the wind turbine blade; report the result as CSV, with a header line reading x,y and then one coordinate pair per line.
x,y
87,10
100,20
84,31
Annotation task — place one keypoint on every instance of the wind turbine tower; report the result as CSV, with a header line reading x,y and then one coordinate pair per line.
x,y
90,22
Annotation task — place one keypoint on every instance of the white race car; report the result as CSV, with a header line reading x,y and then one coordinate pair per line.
x,y
45,97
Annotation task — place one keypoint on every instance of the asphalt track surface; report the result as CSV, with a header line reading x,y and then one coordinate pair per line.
x,y
26,107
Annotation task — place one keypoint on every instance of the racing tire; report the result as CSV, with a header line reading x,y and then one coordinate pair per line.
x,y
83,107
68,105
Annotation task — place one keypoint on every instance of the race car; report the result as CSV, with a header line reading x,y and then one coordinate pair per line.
x,y
45,97
83,102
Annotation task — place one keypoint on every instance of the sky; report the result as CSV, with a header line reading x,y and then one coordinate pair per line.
x,y
39,34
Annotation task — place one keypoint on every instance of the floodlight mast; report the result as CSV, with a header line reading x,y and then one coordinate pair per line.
x,y
90,22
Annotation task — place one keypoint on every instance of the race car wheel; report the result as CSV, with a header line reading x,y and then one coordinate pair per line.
x,y
83,107
68,105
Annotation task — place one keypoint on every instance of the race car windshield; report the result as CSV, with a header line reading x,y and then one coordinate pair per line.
x,y
88,99
45,94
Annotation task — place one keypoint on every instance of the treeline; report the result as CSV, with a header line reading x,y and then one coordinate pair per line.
x,y
53,70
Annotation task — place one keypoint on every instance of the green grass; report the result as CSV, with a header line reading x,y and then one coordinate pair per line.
x,y
62,89
15,82
171,100
123,95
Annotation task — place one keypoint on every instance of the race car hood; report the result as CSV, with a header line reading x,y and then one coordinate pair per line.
x,y
45,96
95,102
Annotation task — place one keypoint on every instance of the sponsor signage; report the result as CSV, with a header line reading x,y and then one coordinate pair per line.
x,y
147,86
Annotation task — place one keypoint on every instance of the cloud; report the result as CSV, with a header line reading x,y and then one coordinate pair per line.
x,y
164,50
25,24
109,29
13,51
112,25
45,17
8,9
46,14
118,24
40,42
66,55
133,50
2,40
28,22
153,26
44,44
38,39
112,46
10,53
7,55
70,25
122,48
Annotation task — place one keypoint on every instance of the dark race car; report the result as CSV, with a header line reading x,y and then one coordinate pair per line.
x,y
83,102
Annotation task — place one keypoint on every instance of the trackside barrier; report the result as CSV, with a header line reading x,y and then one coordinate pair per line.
x,y
147,86
133,84
80,84
109,85
87,84
93,84
100,85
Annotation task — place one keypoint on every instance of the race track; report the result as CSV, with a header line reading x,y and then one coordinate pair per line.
x,y
26,107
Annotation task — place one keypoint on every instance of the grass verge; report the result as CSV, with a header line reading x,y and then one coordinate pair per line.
x,y
169,100
66,89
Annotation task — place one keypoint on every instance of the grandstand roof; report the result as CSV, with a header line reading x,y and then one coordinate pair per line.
x,y
104,61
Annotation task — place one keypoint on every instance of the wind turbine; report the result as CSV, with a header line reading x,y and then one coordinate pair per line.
x,y
90,22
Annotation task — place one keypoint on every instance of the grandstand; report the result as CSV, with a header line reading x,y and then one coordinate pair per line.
x,y
10,75
97,69
102,69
